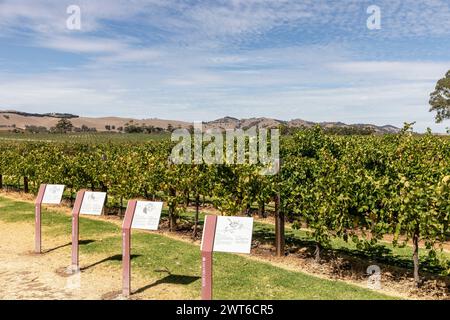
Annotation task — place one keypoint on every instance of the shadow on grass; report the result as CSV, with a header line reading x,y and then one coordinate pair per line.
x,y
170,279
117,257
378,252
81,242
266,235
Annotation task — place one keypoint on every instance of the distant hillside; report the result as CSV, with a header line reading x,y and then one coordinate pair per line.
x,y
230,123
41,115
20,120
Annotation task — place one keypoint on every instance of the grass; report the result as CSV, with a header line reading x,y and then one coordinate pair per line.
x,y
235,276
383,252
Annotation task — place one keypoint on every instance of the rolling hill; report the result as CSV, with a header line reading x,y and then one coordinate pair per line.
x,y
10,119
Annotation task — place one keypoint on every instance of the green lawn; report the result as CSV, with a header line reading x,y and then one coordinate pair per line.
x,y
235,277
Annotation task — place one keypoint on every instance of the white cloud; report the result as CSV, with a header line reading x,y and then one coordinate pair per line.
x,y
83,45
394,70
174,60
55,93
216,19
208,96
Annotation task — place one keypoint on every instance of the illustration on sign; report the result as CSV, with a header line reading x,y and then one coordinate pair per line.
x,y
93,203
233,234
147,215
53,194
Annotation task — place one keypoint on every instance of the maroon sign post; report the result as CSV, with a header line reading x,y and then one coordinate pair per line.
x,y
37,224
75,267
207,255
48,194
126,245
143,215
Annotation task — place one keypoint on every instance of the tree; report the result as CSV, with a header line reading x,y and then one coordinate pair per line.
x,y
131,128
440,99
63,126
36,129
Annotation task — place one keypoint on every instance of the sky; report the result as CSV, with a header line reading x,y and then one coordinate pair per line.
x,y
190,60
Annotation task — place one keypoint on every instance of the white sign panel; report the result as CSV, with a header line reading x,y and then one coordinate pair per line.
x,y
53,194
233,234
146,215
93,203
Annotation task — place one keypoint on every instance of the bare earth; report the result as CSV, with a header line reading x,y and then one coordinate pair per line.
x,y
7,120
26,275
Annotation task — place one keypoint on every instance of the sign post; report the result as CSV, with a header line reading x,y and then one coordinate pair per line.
x,y
48,194
126,247
139,215
207,250
224,234
37,215
86,202
75,230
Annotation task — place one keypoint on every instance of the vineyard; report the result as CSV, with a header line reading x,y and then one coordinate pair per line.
x,y
357,189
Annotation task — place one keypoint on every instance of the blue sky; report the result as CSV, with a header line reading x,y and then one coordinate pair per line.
x,y
201,60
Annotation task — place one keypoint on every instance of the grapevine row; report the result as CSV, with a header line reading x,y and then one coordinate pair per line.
x,y
358,188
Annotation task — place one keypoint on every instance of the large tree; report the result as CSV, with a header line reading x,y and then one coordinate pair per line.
x,y
440,99
63,126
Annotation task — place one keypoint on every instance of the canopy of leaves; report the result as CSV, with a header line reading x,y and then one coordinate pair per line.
x,y
440,99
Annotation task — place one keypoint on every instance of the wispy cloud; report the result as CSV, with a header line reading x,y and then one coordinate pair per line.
x,y
394,70
203,59
83,45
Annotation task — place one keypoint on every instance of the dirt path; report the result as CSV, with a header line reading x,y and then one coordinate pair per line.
x,y
26,275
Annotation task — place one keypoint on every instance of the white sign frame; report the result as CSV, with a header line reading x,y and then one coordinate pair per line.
x,y
53,194
233,234
147,215
93,203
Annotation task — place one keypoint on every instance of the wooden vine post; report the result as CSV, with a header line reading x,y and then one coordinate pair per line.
x,y
279,217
